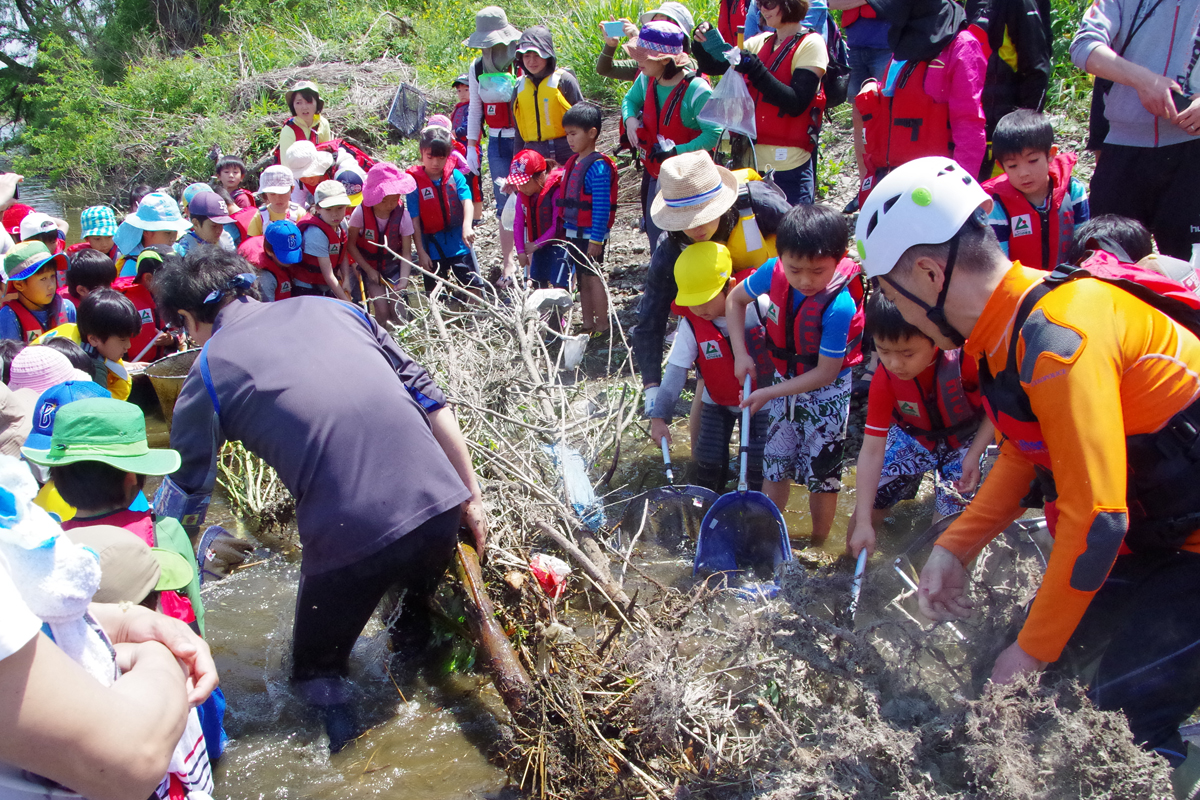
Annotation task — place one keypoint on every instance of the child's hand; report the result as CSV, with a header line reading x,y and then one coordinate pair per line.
x,y
523,260
862,536
743,364
468,234
756,401
970,477
659,431
163,339
424,261
595,250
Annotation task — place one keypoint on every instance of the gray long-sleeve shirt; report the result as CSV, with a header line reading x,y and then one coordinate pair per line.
x,y
1166,42
325,397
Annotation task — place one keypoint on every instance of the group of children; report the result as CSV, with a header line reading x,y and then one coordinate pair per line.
x,y
796,325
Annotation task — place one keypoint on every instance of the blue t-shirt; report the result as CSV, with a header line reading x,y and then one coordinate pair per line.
x,y
447,243
10,326
868,34
835,322
598,183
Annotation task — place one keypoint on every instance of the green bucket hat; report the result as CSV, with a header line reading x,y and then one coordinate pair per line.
x,y
27,258
101,429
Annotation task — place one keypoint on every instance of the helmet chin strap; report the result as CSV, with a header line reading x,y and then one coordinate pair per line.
x,y
937,312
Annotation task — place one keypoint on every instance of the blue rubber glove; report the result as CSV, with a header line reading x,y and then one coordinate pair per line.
x,y
715,44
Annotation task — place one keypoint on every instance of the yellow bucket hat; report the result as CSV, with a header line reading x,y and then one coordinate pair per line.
x,y
701,272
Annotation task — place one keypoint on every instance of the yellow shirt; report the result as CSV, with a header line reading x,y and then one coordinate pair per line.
x,y
287,136
255,227
811,54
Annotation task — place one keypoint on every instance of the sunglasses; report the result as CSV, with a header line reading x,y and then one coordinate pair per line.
x,y
768,5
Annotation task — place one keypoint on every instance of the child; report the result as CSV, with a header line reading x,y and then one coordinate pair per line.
x,y
352,181
273,255
589,203
157,221
310,167
814,332
275,186
33,274
704,276
543,95
108,321
231,171
78,357
97,226
380,220
323,266
925,412
1107,232
136,194
140,291
458,160
1038,203
442,213
539,220
87,271
36,226
458,117
209,215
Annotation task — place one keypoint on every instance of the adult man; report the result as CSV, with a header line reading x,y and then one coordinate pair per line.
x,y
1147,48
358,432
1095,381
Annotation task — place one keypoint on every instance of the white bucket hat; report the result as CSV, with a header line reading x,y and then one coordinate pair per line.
x,y
276,179
306,161
491,29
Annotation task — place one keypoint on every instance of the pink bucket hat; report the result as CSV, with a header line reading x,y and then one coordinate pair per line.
x,y
441,121
39,368
384,179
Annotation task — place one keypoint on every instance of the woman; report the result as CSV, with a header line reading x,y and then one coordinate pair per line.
x,y
627,69
661,108
699,202
783,70
306,123
492,83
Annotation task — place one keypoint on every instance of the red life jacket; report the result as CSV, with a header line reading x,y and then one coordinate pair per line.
x,y
773,126
731,20
906,126
851,15
794,334
539,210
1029,241
948,415
439,207
497,116
147,310
714,359
242,217
243,198
252,250
299,134
458,119
364,160
30,327
666,121
309,269
1151,525
370,238
112,253
576,201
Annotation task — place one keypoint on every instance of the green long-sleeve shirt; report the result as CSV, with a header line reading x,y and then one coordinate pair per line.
x,y
694,101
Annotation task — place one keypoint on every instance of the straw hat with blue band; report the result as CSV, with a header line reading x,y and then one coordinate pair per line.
x,y
27,258
692,191
101,429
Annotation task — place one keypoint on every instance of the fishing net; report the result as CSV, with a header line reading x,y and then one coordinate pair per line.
x,y
410,109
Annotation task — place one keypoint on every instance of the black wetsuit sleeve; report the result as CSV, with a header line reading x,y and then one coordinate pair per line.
x,y
791,99
653,311
706,63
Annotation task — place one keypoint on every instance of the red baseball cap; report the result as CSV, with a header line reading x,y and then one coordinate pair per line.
x,y
526,164
12,218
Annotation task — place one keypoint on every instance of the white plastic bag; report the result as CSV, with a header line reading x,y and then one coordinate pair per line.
x,y
730,106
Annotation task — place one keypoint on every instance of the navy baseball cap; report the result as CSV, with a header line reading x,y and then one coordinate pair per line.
x,y
51,401
284,237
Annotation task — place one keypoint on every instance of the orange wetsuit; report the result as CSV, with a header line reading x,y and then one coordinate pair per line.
x,y
1109,366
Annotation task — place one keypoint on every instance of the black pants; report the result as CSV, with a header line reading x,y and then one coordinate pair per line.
x,y
1155,185
1144,627
712,447
333,607
461,268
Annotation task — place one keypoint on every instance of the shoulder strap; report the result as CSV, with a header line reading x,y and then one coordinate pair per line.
x,y
206,376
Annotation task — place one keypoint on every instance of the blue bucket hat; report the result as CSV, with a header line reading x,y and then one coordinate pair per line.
x,y
284,237
194,189
97,221
156,212
51,401
27,258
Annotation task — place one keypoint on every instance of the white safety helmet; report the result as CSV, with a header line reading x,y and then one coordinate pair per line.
x,y
925,201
